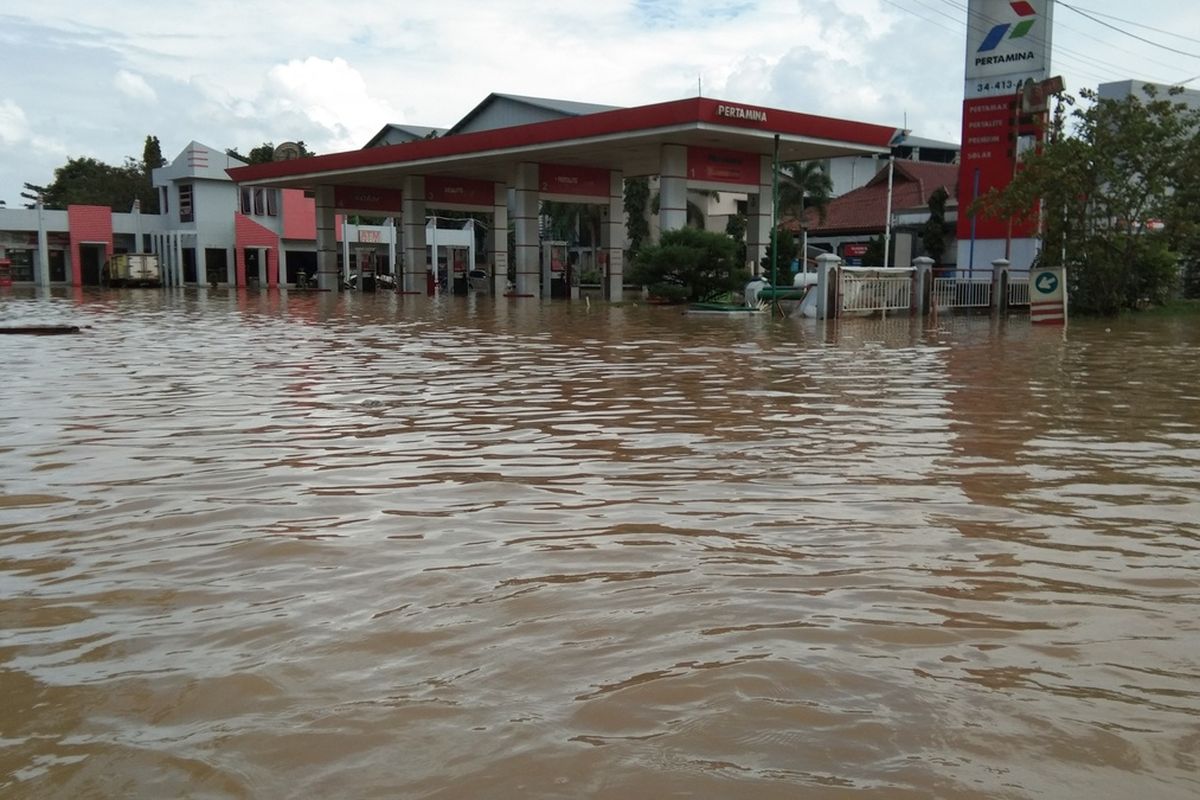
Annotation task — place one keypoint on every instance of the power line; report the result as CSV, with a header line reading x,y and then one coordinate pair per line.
x,y
1127,33
1146,27
1080,64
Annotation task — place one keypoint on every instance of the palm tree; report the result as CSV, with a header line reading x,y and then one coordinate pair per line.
x,y
803,185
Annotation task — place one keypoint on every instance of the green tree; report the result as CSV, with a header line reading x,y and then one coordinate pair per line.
x,y
735,228
1115,199
690,264
87,181
789,248
637,207
265,153
873,257
152,159
803,185
933,232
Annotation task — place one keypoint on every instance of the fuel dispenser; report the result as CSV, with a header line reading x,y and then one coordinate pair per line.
x,y
555,270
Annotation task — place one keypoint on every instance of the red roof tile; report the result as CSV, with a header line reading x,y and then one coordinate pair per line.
x,y
864,210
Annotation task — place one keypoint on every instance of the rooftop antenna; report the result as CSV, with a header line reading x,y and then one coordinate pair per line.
x,y
699,87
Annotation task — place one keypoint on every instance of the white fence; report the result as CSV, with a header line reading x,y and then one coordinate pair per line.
x,y
962,293
865,290
1018,290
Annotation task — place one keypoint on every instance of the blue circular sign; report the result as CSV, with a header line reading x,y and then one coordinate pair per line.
x,y
1046,282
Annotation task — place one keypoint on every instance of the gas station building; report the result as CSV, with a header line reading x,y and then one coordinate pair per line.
x,y
509,154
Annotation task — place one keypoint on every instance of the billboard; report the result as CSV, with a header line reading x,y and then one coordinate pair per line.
x,y
994,133
1008,43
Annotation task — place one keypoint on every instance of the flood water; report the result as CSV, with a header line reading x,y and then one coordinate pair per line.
x,y
368,546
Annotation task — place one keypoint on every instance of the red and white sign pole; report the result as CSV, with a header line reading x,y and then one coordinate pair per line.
x,y
1048,296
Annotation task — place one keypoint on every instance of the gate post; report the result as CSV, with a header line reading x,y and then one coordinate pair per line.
x,y
827,264
999,284
921,302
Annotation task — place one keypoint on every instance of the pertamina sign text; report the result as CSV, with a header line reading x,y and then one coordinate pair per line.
x,y
1008,43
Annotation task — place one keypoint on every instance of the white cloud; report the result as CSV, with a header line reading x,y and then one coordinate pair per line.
x,y
14,126
329,93
333,73
134,86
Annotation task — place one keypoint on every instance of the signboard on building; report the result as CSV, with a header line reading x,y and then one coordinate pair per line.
x,y
730,167
367,198
573,181
1008,43
444,192
736,114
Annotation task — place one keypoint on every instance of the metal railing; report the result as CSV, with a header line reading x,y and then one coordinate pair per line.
x,y
1018,290
961,292
866,292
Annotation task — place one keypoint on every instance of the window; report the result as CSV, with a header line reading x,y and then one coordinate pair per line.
x,y
58,266
22,264
259,209
272,202
245,201
186,212
166,206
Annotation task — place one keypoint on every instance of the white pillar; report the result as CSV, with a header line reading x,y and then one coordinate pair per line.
x,y
392,266
43,247
327,271
499,240
525,227
178,266
612,236
672,187
759,217
431,242
346,254
202,263
470,226
413,280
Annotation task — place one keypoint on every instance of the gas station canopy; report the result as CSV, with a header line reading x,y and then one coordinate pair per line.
x,y
627,140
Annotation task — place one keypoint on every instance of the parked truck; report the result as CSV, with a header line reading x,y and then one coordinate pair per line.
x,y
132,269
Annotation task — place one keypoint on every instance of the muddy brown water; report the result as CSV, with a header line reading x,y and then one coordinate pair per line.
x,y
366,546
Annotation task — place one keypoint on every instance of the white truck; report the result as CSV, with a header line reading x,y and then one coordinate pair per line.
x,y
132,269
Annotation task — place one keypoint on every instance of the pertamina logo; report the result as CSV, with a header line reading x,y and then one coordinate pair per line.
x,y
1008,30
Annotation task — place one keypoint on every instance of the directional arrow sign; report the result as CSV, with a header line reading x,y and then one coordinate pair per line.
x,y
1047,300
1046,283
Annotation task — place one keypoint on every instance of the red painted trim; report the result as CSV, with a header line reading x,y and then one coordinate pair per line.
x,y
248,233
90,224
691,111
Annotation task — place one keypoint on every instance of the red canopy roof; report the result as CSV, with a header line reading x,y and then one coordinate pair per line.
x,y
626,139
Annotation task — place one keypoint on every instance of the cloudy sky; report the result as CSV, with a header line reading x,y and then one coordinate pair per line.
x,y
83,78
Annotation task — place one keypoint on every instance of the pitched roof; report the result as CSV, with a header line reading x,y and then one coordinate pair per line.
x,y
408,132
561,108
864,210
197,161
